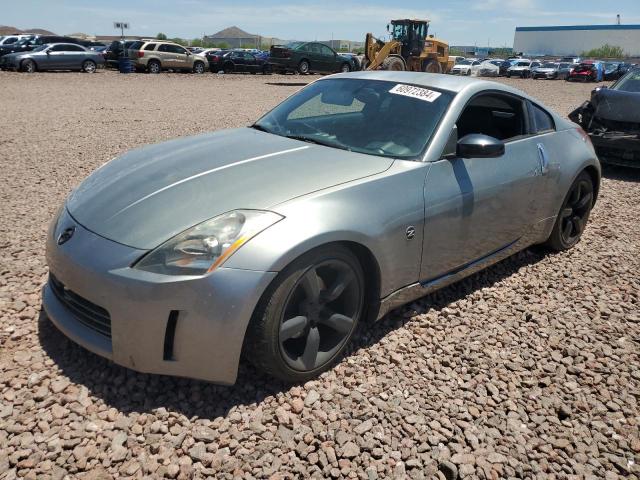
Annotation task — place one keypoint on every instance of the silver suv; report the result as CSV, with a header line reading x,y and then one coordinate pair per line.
x,y
154,56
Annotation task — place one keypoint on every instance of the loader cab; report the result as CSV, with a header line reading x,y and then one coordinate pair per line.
x,y
411,34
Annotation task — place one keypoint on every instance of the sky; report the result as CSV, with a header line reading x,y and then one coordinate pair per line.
x,y
460,22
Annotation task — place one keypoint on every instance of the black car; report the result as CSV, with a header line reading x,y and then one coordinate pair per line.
x,y
504,66
34,41
116,50
307,57
238,61
612,120
615,70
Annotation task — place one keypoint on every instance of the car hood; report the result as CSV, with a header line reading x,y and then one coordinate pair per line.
x,y
150,194
616,105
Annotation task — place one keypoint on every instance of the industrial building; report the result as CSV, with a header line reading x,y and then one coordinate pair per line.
x,y
575,39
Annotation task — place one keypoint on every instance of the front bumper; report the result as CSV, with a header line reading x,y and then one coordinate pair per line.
x,y
617,148
184,326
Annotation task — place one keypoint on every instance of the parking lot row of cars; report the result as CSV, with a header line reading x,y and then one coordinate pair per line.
x,y
30,53
567,68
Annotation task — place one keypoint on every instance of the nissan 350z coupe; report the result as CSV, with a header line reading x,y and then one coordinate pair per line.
x,y
361,192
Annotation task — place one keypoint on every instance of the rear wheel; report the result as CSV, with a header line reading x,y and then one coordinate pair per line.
x,y
307,317
393,63
154,66
228,68
432,66
345,68
89,66
573,215
28,66
303,67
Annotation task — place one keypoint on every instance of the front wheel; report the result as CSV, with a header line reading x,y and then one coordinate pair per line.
x,y
345,68
89,66
433,66
306,318
574,214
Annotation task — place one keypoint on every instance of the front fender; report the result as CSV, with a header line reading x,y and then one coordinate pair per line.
x,y
374,212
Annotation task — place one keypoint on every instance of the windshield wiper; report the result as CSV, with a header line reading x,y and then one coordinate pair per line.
x,y
261,128
317,141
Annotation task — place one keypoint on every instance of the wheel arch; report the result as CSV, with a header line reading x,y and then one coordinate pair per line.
x,y
28,60
595,179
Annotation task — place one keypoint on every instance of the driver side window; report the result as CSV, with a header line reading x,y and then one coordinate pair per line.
x,y
494,114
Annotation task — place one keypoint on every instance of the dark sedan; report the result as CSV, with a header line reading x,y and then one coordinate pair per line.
x,y
57,56
308,57
615,70
237,61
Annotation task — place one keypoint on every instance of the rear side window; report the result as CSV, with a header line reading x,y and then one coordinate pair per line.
x,y
151,46
543,121
135,45
73,48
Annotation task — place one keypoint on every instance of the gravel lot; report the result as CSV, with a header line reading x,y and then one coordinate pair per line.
x,y
529,369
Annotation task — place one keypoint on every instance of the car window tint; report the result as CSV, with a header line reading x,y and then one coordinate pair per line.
x,y
74,48
178,49
150,46
315,107
164,48
58,48
543,121
498,116
326,50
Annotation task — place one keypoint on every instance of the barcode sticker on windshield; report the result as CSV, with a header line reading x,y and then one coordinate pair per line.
x,y
415,92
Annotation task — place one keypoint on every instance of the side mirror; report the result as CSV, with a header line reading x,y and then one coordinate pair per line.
x,y
476,145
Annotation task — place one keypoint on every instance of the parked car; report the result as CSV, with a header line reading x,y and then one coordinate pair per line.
x,y
488,68
308,57
238,61
463,67
612,119
154,56
11,39
548,70
586,72
53,56
176,258
522,68
32,42
504,66
115,50
214,59
565,69
615,70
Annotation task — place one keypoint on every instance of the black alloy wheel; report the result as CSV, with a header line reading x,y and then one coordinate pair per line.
x,y
306,318
574,214
320,315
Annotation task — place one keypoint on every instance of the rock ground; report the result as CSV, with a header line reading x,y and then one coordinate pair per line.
x,y
529,369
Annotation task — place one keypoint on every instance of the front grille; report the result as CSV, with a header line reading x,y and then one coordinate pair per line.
x,y
89,314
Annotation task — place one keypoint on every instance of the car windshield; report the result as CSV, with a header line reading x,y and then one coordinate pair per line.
x,y
523,64
549,65
583,68
565,65
25,41
294,45
464,62
629,83
367,116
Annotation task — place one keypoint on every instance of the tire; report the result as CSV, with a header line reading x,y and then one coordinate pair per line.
x,y
574,214
266,70
508,75
395,64
199,68
228,68
89,66
304,67
364,64
432,66
154,67
295,338
345,68
28,66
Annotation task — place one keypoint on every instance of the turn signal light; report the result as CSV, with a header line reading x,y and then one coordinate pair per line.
x,y
140,54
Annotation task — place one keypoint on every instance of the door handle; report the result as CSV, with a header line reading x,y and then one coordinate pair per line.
x,y
544,159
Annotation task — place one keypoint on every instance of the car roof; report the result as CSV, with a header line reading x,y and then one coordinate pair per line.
x,y
452,83
64,43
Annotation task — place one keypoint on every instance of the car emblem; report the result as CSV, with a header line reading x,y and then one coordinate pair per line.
x,y
66,235
410,232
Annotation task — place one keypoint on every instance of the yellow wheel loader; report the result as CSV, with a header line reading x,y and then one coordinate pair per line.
x,y
410,48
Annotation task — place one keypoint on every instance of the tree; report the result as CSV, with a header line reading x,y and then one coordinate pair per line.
x,y
223,45
161,36
197,42
180,41
605,51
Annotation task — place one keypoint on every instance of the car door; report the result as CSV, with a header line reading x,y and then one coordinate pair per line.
x,y
54,58
182,57
477,207
318,63
238,61
329,59
250,62
167,56
75,56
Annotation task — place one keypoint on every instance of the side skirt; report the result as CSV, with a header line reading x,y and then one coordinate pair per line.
x,y
418,290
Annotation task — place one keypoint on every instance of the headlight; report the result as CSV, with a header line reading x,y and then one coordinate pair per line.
x,y
206,246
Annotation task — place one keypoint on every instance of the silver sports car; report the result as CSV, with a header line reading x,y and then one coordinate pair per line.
x,y
357,194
